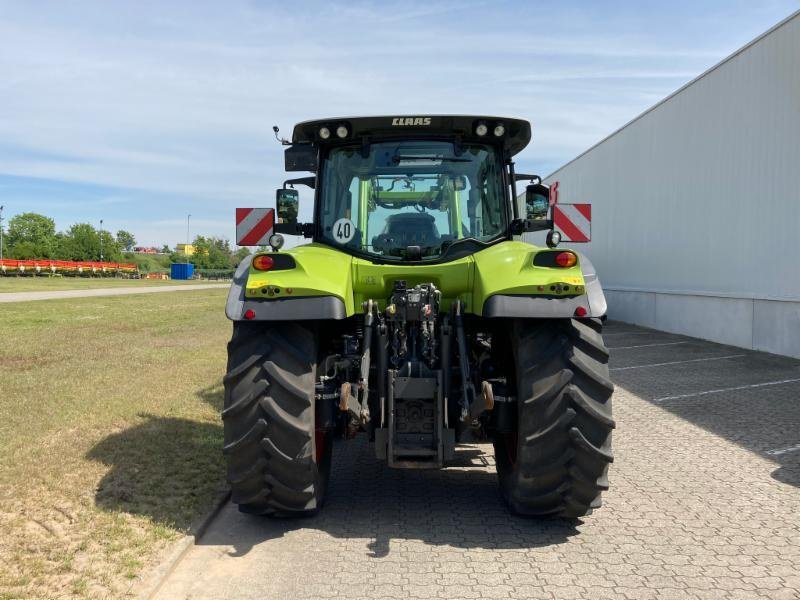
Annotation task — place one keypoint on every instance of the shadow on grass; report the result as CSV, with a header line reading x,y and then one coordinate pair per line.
x,y
213,395
368,502
168,469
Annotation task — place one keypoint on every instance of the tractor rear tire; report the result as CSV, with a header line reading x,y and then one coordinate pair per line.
x,y
556,464
278,463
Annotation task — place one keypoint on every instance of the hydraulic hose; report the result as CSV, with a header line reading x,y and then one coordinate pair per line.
x,y
369,318
466,396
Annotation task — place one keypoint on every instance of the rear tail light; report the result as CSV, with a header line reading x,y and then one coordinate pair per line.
x,y
566,259
262,262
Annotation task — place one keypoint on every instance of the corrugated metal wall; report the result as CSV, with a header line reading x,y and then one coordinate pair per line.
x,y
696,203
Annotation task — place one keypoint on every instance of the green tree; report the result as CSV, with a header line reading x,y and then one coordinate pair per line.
x,y
25,250
211,253
31,235
240,255
60,249
126,240
112,252
81,242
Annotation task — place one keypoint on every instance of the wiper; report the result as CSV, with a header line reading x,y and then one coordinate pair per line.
x,y
415,157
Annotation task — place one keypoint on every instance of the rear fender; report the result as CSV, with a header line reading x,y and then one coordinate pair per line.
x,y
319,287
508,288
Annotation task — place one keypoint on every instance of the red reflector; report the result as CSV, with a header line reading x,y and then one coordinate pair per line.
x,y
580,312
566,259
249,314
262,262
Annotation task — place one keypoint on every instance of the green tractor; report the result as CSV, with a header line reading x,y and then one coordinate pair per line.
x,y
417,316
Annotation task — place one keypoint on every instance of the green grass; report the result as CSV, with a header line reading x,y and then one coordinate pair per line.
x,y
49,284
110,439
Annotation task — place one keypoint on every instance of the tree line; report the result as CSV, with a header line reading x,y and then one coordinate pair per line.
x,y
31,235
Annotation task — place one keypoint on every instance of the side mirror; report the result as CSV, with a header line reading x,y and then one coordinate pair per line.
x,y
287,202
537,202
537,208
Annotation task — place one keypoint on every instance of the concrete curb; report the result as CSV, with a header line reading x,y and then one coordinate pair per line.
x,y
150,582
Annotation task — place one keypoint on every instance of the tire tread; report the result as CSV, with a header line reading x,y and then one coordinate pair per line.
x,y
564,421
268,419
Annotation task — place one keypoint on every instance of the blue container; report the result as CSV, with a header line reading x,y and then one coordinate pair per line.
x,y
181,270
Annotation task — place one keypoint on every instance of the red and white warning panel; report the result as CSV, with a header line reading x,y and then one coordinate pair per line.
x,y
254,226
574,221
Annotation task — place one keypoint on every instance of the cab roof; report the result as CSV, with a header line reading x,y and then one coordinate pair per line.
x,y
516,136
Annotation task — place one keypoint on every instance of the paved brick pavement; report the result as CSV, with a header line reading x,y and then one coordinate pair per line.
x,y
704,503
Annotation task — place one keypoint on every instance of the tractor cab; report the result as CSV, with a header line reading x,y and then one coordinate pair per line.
x,y
397,189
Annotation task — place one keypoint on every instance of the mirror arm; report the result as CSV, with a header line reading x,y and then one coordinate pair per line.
x,y
524,177
309,181
287,228
304,229
540,225
520,226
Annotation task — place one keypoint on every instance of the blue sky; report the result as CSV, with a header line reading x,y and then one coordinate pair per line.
x,y
139,113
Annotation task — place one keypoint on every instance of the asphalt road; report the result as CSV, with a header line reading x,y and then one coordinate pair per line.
x,y
704,503
55,295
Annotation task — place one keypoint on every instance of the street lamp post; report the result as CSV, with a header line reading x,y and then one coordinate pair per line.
x,y
101,240
186,248
1,232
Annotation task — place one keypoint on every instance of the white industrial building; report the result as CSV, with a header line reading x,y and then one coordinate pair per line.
x,y
696,203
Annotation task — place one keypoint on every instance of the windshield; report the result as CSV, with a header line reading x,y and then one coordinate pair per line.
x,y
411,199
